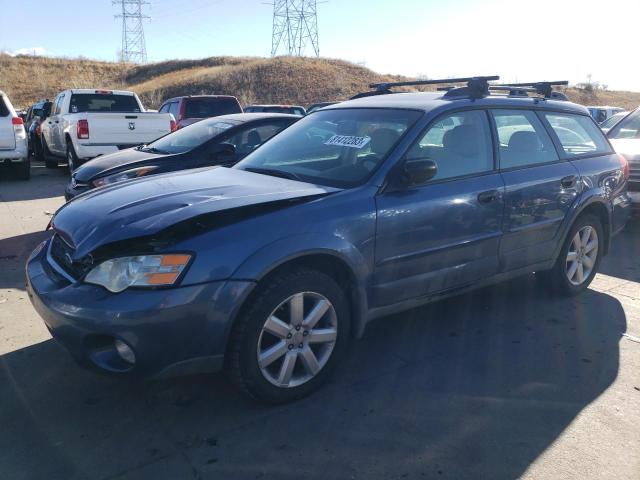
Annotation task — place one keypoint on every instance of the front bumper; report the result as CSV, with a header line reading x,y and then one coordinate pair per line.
x,y
172,331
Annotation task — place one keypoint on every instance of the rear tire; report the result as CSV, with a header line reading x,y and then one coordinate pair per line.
x,y
287,305
23,170
49,160
72,159
579,258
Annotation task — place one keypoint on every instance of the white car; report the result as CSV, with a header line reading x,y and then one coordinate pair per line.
x,y
85,124
13,139
625,138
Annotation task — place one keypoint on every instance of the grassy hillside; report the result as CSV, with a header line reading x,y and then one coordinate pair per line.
x,y
253,80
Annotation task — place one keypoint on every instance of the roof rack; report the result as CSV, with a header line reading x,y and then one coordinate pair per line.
x,y
541,88
476,87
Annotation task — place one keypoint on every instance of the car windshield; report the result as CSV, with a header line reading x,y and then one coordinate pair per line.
x,y
627,128
611,121
338,148
189,137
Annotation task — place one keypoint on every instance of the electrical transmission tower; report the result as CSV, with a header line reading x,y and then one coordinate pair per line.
x,y
134,49
295,25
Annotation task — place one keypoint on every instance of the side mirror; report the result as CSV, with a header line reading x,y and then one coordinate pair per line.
x,y
222,150
418,171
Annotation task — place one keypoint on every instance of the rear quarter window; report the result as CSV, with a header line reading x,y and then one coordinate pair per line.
x,y
578,135
4,110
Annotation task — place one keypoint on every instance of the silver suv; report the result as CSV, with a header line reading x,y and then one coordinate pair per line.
x,y
13,139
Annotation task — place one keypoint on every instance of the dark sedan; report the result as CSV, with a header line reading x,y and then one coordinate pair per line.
x,y
222,140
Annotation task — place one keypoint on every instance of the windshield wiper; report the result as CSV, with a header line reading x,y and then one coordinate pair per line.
x,y
274,173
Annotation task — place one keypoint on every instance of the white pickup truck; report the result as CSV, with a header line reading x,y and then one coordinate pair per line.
x,y
87,123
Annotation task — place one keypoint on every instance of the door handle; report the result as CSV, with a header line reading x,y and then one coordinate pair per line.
x,y
488,196
569,181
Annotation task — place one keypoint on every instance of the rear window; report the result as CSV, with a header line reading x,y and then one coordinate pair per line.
x,y
627,128
578,134
210,107
4,110
95,102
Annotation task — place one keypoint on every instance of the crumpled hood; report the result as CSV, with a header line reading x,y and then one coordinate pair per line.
x,y
146,206
629,147
114,162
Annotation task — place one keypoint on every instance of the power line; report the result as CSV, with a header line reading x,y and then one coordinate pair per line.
x,y
134,49
295,25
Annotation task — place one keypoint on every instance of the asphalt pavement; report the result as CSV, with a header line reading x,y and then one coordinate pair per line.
x,y
503,383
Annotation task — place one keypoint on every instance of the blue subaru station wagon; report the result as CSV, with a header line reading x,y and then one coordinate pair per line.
x,y
269,269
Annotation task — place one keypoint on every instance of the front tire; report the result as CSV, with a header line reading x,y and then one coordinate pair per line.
x,y
579,258
293,333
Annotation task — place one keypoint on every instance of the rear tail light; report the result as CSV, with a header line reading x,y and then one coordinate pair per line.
x,y
624,163
18,128
173,125
83,129
38,130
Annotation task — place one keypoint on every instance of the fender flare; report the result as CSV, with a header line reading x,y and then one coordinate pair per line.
x,y
296,247
578,208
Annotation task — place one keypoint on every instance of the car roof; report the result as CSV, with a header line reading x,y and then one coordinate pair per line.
x,y
249,117
94,90
274,105
196,97
427,101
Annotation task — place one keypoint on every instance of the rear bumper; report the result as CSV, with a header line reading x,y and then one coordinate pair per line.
x,y
171,331
15,155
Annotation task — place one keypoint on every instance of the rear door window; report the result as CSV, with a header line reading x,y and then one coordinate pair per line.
x,y
459,144
174,108
577,134
522,139
4,110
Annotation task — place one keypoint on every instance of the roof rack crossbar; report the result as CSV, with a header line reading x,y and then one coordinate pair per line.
x,y
543,88
387,85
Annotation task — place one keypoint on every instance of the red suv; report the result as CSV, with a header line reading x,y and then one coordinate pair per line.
x,y
190,109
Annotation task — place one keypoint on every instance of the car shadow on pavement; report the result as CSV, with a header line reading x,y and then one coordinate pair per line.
x,y
473,387
44,183
14,252
623,266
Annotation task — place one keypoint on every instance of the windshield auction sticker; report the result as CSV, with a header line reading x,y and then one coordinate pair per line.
x,y
348,141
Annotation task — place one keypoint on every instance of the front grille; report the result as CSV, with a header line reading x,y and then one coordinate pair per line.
x,y
634,176
62,254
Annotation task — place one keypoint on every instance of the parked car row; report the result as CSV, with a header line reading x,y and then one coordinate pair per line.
x,y
81,124
272,266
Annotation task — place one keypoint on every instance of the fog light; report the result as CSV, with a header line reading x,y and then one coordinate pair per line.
x,y
124,351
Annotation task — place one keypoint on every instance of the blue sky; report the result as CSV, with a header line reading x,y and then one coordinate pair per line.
x,y
551,39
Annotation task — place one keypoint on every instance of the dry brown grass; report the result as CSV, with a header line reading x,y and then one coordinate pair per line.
x,y
253,80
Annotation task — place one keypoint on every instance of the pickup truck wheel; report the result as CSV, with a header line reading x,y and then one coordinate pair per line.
x,y
579,258
23,169
72,158
292,335
49,160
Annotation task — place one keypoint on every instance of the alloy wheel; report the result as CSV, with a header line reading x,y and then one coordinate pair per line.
x,y
297,339
582,254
